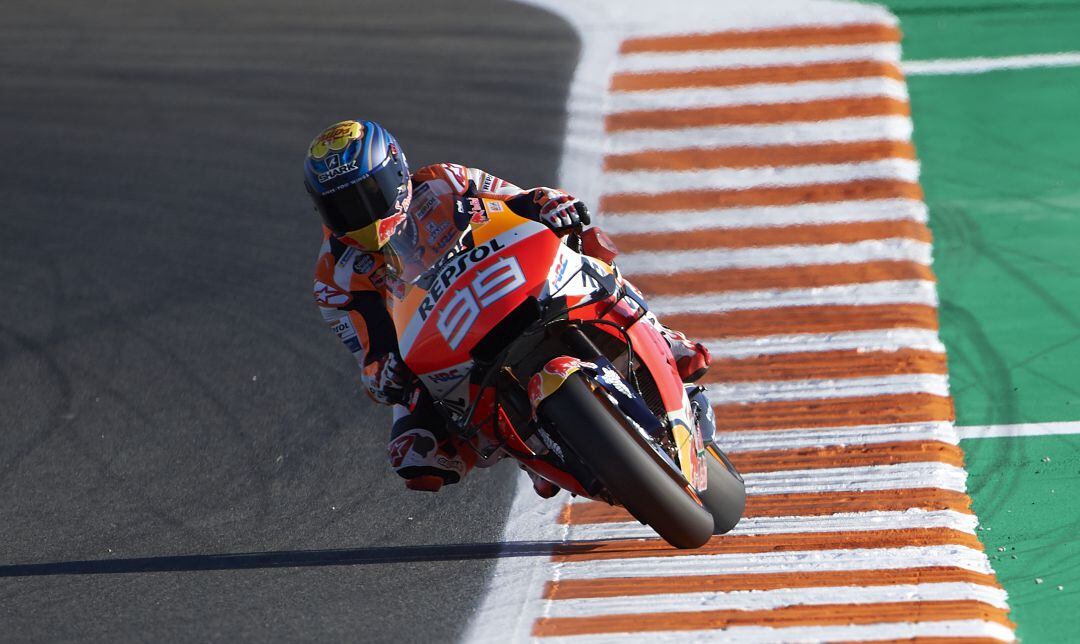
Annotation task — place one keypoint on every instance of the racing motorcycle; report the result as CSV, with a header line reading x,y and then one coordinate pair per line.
x,y
534,350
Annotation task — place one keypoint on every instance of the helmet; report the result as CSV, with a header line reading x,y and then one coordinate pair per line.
x,y
359,180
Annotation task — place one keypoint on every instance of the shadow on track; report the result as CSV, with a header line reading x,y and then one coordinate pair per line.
x,y
286,559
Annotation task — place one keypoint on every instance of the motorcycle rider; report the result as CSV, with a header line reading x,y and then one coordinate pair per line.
x,y
358,177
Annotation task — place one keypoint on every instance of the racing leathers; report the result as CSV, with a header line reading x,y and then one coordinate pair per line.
x,y
350,289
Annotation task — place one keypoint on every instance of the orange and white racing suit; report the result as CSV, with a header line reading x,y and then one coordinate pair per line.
x,y
351,287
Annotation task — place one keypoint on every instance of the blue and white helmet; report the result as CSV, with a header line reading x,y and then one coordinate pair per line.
x,y
358,178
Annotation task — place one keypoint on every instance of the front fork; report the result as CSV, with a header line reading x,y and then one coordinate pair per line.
x,y
690,440
706,421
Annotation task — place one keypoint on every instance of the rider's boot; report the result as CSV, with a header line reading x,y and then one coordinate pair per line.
x,y
691,358
544,488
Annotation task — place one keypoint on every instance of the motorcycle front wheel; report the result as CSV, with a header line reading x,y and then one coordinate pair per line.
x,y
595,432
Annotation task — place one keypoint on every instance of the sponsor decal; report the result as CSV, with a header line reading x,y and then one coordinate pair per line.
x,y
446,376
485,185
393,286
494,206
335,137
489,286
330,295
563,367
435,229
387,226
364,263
337,171
611,377
378,277
552,445
427,206
450,270
346,257
476,212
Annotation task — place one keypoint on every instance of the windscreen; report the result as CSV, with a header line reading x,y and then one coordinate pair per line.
x,y
422,243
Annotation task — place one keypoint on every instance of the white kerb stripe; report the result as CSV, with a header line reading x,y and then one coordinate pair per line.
x,y
653,182
765,94
972,628
761,57
860,294
762,216
726,393
1024,429
871,128
900,476
780,439
809,561
846,522
776,598
871,250
983,65
886,340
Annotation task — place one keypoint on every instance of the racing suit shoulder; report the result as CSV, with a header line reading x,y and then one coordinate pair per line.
x,y
457,178
342,271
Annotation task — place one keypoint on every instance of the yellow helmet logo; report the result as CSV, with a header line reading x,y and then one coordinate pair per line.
x,y
335,137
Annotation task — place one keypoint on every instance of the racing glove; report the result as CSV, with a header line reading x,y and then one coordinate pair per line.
x,y
386,378
554,208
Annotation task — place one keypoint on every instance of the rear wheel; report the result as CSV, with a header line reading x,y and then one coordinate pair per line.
x,y
725,497
594,431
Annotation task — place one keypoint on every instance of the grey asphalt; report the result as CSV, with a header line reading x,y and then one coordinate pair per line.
x,y
169,396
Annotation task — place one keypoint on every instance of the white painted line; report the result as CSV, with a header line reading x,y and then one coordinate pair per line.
x,y
871,250
870,128
726,393
847,522
1021,430
761,57
855,479
651,182
885,340
780,439
511,601
778,598
984,65
691,97
899,631
770,562
859,294
642,18
757,217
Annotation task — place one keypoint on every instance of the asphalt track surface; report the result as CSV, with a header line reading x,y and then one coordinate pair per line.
x,y
169,397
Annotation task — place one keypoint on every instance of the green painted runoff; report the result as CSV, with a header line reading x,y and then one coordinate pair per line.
x,y
1000,156
1002,179
1025,492
973,28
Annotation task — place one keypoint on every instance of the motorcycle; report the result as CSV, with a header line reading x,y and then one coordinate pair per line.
x,y
531,349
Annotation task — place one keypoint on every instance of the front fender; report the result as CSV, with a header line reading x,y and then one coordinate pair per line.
x,y
552,376
603,375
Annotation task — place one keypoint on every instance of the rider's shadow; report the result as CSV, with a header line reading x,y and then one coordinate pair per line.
x,y
286,559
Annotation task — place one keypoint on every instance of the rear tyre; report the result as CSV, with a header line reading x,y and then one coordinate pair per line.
x,y
597,436
725,497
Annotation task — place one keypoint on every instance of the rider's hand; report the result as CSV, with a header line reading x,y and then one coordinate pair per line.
x,y
560,211
386,378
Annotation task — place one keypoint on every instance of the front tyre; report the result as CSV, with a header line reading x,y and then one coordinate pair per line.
x,y
594,431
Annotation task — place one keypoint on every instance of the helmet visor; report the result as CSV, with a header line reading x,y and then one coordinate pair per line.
x,y
363,202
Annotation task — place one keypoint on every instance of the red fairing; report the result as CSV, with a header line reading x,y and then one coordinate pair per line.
x,y
649,347
475,302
